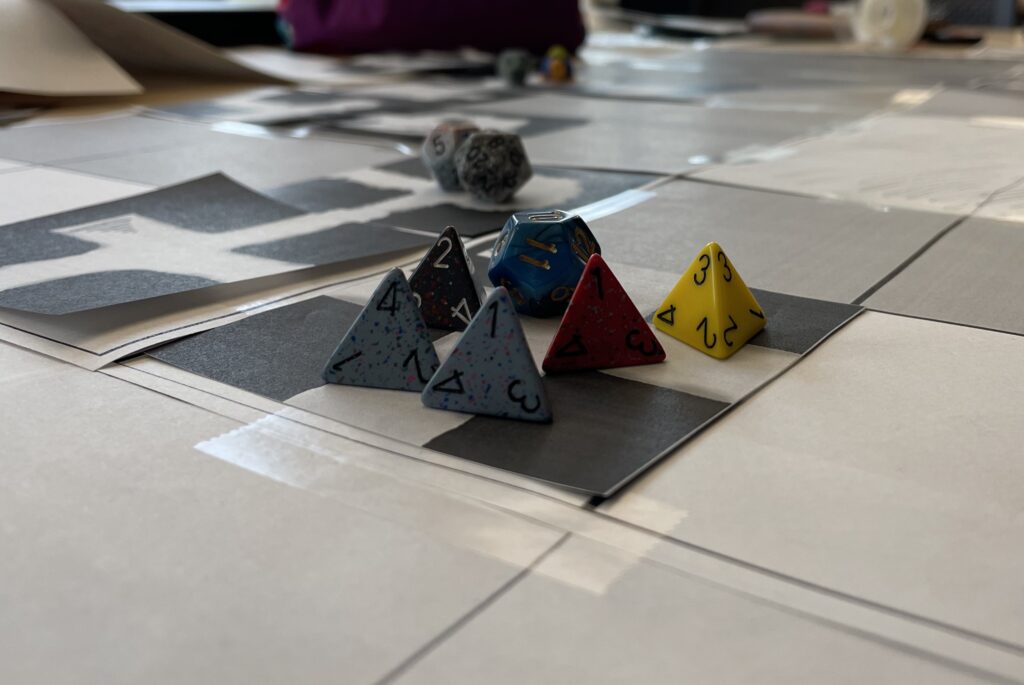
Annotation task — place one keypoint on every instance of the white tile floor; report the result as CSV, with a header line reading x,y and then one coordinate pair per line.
x,y
857,520
824,249
887,161
136,548
970,276
674,137
153,525
884,465
590,613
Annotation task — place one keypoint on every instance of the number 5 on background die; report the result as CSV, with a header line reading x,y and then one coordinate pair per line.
x,y
439,148
711,308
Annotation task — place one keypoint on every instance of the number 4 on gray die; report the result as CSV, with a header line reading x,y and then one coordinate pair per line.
x,y
439,151
493,165
490,370
387,345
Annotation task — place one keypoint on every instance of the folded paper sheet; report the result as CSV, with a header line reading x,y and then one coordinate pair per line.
x,y
43,53
86,47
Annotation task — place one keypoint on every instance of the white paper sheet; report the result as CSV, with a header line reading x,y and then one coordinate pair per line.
x,y
651,136
138,43
29,192
43,53
297,67
268,105
95,338
356,70
930,163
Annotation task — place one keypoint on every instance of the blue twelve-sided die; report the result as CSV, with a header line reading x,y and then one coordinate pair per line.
x,y
539,257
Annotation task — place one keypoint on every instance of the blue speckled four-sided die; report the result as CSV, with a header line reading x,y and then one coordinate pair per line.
x,y
539,257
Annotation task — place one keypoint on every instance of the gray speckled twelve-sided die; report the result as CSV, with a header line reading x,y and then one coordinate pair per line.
x,y
493,165
440,147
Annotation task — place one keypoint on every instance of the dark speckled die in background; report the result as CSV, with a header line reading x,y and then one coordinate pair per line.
x,y
493,165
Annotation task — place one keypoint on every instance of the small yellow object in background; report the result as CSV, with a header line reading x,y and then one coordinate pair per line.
x,y
556,66
558,70
711,308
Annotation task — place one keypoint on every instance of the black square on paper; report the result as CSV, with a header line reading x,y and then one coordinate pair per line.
x,y
606,430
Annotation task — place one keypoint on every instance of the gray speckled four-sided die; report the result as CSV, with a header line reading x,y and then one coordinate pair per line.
x,y
493,165
440,147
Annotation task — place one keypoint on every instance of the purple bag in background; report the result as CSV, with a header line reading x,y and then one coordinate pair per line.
x,y
357,26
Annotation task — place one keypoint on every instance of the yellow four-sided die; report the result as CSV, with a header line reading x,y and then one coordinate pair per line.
x,y
711,308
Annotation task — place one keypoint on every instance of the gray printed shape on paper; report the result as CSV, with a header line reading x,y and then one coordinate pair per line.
x,y
278,353
348,241
98,289
325,194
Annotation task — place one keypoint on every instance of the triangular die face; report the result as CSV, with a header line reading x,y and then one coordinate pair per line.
x,y
444,285
490,370
711,308
387,345
602,328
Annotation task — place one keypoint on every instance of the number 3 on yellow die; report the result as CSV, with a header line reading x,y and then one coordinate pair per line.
x,y
711,309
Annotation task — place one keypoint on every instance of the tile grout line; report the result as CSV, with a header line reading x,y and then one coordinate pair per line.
x,y
902,266
965,633
838,625
691,177
466,618
935,239
987,329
